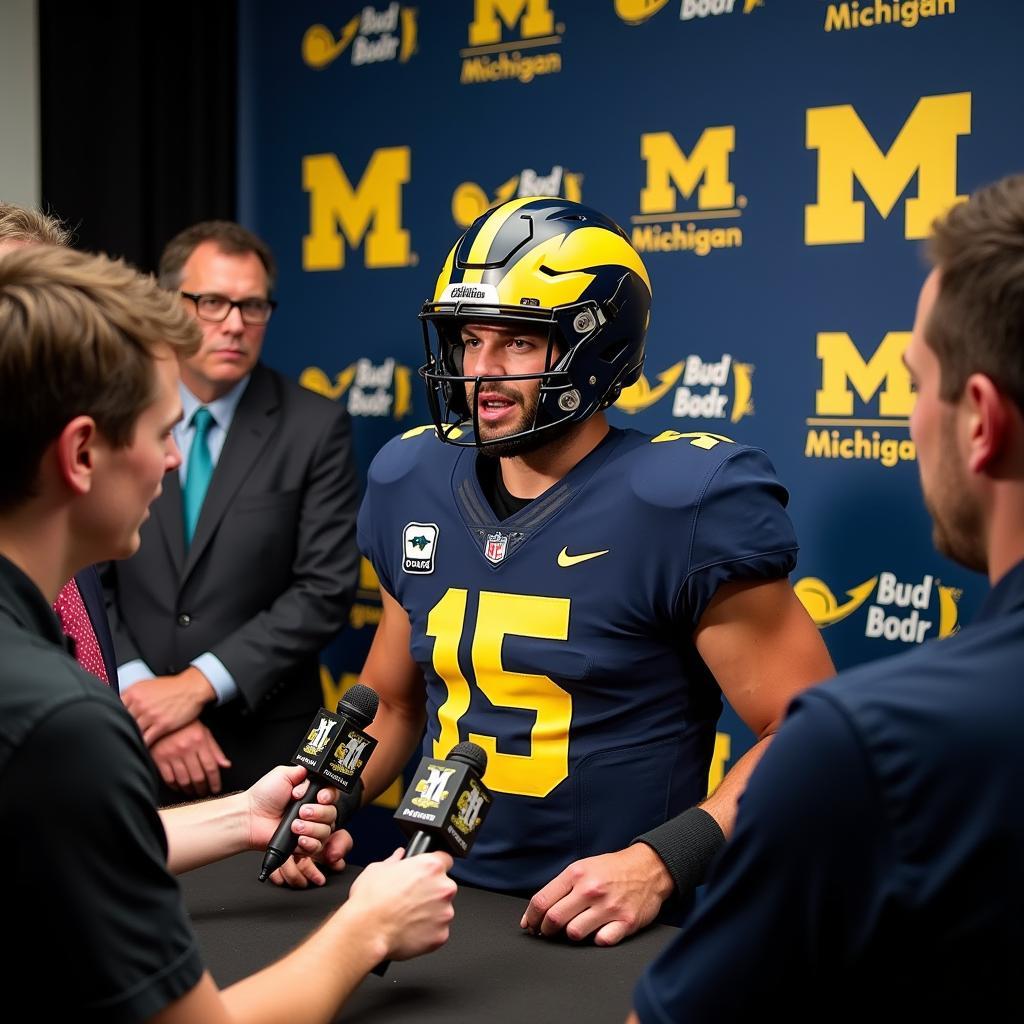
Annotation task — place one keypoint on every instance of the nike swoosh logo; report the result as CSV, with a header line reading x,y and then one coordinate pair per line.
x,y
565,559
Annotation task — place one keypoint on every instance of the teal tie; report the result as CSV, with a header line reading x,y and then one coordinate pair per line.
x,y
199,471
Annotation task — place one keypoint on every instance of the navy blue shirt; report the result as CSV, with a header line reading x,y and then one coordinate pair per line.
x,y
878,861
561,637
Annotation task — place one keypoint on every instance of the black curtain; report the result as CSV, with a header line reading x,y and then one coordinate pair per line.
x,y
138,120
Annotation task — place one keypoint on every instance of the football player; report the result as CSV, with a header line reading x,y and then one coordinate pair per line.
x,y
574,597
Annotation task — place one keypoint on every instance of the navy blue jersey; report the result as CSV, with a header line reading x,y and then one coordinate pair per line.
x,y
560,639
875,868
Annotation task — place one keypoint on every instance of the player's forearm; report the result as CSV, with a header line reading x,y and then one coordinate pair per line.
x,y
687,844
398,730
722,804
316,978
206,831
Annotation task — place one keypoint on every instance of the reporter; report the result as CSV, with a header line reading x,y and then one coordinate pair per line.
x,y
876,866
89,378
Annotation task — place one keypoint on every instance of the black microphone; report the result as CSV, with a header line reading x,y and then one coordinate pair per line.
x,y
444,806
334,753
446,802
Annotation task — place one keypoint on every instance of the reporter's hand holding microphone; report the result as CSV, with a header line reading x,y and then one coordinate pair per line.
x,y
334,753
405,902
403,905
441,812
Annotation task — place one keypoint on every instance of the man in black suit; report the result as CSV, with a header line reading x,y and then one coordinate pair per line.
x,y
21,226
248,563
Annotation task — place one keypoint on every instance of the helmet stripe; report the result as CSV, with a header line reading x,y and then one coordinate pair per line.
x,y
481,245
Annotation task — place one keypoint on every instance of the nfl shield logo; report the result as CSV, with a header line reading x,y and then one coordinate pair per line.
x,y
496,546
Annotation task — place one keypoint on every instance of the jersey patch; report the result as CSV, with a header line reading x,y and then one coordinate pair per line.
x,y
496,546
420,544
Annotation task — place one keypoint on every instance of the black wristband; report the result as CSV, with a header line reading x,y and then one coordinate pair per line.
x,y
348,804
687,844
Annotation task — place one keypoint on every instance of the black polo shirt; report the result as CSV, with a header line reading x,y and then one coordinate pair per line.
x,y
877,868
95,924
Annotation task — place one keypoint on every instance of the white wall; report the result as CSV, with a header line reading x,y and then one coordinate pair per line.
x,y
19,102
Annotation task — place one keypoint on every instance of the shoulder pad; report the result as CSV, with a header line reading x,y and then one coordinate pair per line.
x,y
674,468
415,449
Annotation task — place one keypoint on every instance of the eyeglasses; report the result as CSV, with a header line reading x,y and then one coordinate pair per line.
x,y
217,308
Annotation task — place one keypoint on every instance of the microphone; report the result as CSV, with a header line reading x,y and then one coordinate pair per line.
x,y
446,802
444,806
334,753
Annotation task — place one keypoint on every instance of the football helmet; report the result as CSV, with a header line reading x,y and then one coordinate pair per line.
x,y
546,264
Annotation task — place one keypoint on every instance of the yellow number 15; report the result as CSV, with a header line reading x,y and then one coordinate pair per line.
x,y
499,615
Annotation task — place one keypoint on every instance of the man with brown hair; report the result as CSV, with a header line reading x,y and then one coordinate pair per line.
x,y
89,379
248,565
877,860
21,225
79,604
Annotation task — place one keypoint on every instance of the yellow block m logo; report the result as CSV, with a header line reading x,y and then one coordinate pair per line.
x,y
842,365
669,169
535,19
925,146
336,209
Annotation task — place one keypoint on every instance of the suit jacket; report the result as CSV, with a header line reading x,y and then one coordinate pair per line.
x,y
91,589
271,572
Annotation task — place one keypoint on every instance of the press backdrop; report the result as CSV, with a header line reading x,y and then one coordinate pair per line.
x,y
776,162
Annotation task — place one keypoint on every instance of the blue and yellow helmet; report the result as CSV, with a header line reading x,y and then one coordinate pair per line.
x,y
543,263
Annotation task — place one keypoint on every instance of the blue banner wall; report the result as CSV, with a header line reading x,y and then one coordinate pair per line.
x,y
777,163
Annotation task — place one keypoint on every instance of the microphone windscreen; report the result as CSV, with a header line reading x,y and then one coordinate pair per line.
x,y
360,702
472,754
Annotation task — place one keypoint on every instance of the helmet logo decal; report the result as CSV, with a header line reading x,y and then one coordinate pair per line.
x,y
470,293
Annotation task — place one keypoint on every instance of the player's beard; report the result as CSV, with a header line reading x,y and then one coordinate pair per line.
x,y
499,448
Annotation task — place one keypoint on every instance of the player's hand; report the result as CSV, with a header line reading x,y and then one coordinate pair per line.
x,y
409,900
298,873
609,896
166,703
190,759
271,797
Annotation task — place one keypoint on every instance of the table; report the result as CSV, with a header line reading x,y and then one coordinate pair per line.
x,y
490,970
